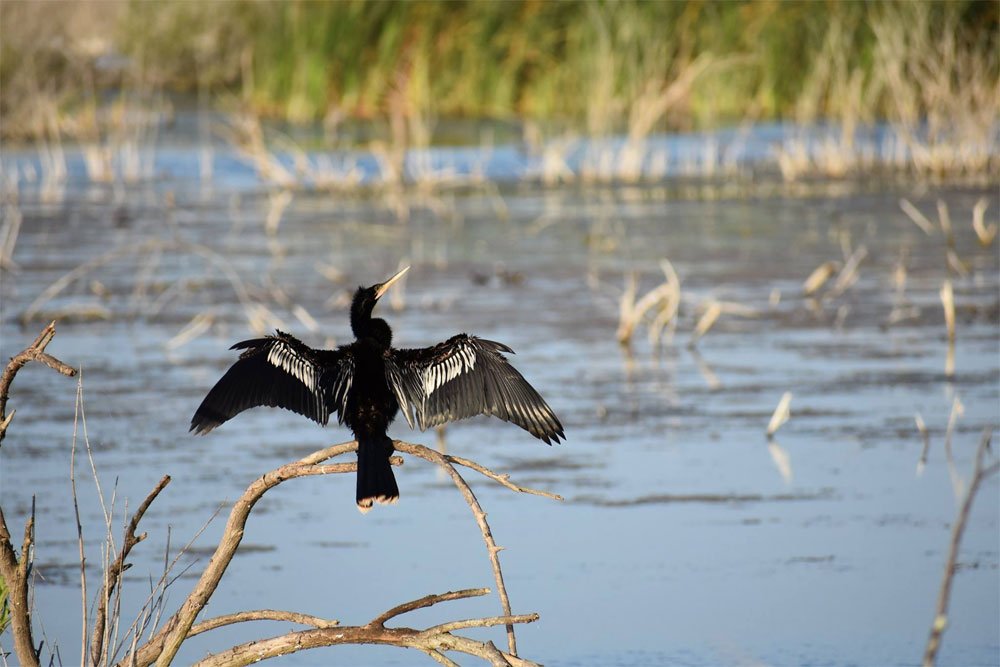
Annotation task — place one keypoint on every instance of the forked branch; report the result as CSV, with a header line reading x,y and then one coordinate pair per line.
x,y
15,569
34,352
163,646
432,641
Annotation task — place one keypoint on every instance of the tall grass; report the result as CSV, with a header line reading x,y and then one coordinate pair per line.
x,y
628,68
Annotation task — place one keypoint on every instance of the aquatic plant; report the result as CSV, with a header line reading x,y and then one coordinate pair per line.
x,y
626,69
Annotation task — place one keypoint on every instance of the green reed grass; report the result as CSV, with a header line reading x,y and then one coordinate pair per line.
x,y
601,67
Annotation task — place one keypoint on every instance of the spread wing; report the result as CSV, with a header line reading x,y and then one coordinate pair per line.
x,y
466,376
279,371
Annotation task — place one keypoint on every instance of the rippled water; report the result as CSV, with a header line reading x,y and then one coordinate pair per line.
x,y
684,537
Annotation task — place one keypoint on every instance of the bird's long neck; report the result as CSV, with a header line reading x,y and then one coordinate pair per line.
x,y
365,326
376,329
361,319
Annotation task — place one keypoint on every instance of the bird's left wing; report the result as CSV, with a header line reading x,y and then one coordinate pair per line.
x,y
466,376
279,371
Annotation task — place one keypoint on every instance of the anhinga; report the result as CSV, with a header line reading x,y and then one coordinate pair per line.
x,y
366,383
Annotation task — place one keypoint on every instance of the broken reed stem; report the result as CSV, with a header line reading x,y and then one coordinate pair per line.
x,y
979,473
781,414
918,218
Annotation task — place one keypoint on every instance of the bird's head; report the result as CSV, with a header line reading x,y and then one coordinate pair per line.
x,y
364,303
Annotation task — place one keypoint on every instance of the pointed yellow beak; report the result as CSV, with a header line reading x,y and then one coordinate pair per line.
x,y
384,287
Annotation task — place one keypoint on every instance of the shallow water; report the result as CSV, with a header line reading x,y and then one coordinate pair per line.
x,y
681,540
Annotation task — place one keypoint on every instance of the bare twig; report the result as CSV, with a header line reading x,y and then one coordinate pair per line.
x,y
262,615
503,480
34,352
79,523
477,511
117,569
979,473
426,601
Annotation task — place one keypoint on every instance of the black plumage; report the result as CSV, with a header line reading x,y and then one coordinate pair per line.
x,y
366,383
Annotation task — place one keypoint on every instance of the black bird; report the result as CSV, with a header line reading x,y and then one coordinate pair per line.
x,y
366,383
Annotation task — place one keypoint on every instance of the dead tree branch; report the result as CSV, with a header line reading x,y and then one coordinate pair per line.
x,y
34,352
15,572
14,569
262,615
979,473
163,646
491,546
115,572
431,641
426,601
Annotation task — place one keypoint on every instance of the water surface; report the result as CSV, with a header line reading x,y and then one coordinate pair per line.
x,y
681,539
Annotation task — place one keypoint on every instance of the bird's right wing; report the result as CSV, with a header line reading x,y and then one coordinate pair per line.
x,y
466,376
279,371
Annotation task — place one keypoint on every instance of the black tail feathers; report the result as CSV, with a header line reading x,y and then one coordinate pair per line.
x,y
376,483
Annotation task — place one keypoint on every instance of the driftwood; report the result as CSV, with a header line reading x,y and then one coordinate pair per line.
x,y
162,646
